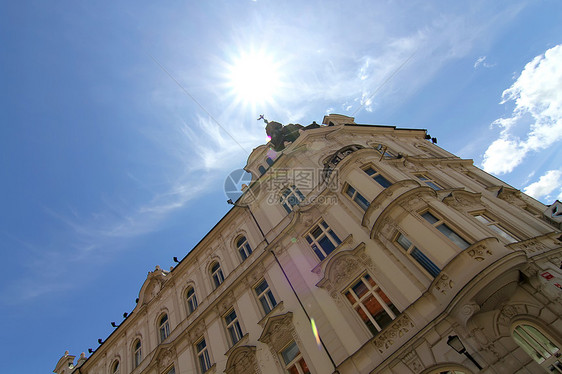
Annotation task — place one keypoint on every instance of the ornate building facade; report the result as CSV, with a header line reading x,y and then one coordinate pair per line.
x,y
355,249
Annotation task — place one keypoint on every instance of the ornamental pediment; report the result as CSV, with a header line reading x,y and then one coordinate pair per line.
x,y
152,285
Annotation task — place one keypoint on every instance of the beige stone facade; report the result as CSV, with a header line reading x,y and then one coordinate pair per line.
x,y
383,242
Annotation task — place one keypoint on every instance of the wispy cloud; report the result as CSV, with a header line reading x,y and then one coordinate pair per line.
x,y
537,95
549,186
481,62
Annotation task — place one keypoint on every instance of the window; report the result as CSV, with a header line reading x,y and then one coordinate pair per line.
x,y
357,197
371,303
417,255
216,274
290,197
265,296
137,353
203,355
115,367
496,227
243,248
430,182
191,300
377,177
164,327
269,161
171,371
383,150
540,347
445,230
261,170
322,240
233,327
294,362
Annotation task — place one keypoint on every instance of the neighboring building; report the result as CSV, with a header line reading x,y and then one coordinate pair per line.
x,y
374,237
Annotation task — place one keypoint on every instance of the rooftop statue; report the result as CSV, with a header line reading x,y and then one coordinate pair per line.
x,y
280,134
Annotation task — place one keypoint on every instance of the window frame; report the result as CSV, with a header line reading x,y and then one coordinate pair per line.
x,y
285,199
267,295
442,222
295,362
384,151
244,249
373,291
531,343
363,203
191,300
233,327
115,367
495,226
419,257
429,181
163,327
216,275
377,176
137,353
203,356
315,242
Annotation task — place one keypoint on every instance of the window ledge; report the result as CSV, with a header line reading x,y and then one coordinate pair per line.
x,y
240,342
212,369
277,308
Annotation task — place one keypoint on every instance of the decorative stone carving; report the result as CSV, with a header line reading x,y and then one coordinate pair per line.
x,y
226,303
399,327
479,252
165,358
256,274
510,311
197,331
529,246
443,283
243,361
462,200
278,332
412,360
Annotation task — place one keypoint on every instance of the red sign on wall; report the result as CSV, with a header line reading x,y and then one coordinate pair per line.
x,y
546,275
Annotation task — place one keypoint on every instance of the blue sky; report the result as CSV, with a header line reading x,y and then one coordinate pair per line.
x,y
109,167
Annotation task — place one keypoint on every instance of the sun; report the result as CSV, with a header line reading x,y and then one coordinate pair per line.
x,y
254,78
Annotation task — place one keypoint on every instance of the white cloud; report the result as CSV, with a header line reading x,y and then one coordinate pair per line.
x,y
546,185
537,95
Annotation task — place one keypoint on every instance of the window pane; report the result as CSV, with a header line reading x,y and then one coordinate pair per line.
x,y
433,185
382,181
425,262
363,203
503,233
404,242
265,305
360,289
290,353
350,191
526,347
429,217
538,336
453,236
326,245
261,287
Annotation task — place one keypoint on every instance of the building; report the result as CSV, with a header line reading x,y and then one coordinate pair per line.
x,y
355,249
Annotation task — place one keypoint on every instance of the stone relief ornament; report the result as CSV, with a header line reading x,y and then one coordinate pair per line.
x,y
401,326
165,357
278,332
243,361
412,360
444,283
479,252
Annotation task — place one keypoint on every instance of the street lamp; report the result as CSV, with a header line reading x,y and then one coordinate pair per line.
x,y
455,343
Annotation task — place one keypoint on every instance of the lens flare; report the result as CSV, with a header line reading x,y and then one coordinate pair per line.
x,y
315,332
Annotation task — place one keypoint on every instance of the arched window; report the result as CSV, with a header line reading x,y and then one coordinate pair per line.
x,y
164,327
261,169
216,274
291,197
269,161
191,300
137,353
539,346
115,367
243,247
